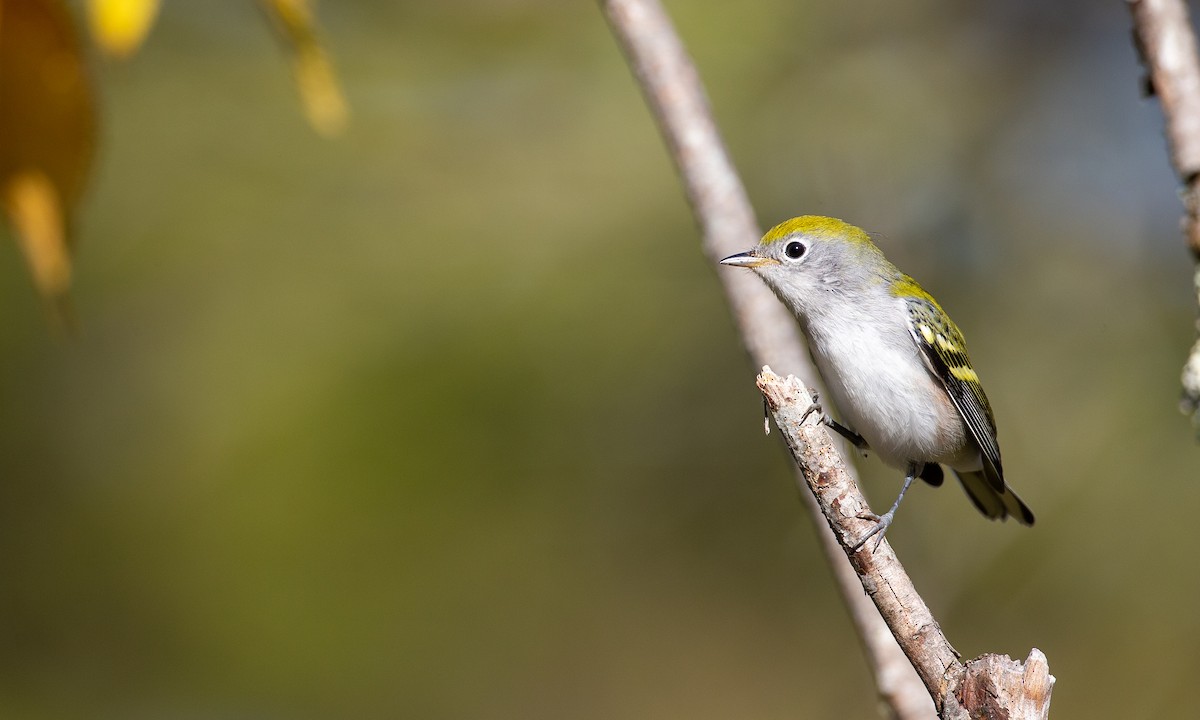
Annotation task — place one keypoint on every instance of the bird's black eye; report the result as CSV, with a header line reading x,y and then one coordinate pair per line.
x,y
794,250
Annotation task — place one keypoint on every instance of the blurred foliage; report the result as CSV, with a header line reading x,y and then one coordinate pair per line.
x,y
447,419
47,114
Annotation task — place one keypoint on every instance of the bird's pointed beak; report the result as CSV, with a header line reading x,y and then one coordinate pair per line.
x,y
749,259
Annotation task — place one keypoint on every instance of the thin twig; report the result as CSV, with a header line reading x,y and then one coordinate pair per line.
x,y
672,89
1167,45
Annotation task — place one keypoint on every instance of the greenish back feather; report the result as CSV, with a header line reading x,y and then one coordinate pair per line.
x,y
942,344
905,287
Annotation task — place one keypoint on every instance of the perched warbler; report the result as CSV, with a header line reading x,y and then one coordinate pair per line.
x,y
893,360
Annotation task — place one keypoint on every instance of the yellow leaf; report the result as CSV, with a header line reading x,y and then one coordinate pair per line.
x,y
34,208
324,104
120,26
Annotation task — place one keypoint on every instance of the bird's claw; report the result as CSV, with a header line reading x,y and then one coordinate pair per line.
x,y
882,523
815,407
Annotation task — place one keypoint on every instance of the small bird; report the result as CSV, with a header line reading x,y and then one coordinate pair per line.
x,y
894,362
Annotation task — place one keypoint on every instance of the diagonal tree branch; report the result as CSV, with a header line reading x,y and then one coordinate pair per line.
x,y
957,690
672,89
1167,45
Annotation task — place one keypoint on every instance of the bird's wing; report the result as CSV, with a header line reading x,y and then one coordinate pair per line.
x,y
945,354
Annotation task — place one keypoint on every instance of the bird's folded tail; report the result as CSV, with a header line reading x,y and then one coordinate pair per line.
x,y
997,505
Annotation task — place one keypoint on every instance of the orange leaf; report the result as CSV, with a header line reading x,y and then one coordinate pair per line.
x,y
47,128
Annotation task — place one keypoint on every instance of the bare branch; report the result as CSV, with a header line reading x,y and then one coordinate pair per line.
x,y
989,686
1167,45
673,91
676,98
1168,49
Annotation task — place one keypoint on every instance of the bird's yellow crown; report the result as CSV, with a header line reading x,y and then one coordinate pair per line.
x,y
817,226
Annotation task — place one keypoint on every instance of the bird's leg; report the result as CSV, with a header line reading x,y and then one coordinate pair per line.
x,y
883,521
854,438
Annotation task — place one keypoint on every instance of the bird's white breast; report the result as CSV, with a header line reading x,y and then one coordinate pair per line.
x,y
883,390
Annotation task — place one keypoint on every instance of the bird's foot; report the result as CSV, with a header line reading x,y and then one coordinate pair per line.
x,y
882,523
827,420
815,407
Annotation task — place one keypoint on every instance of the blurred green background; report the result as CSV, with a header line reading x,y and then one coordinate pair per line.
x,y
447,418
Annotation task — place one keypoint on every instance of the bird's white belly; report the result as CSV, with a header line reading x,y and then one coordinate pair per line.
x,y
885,393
